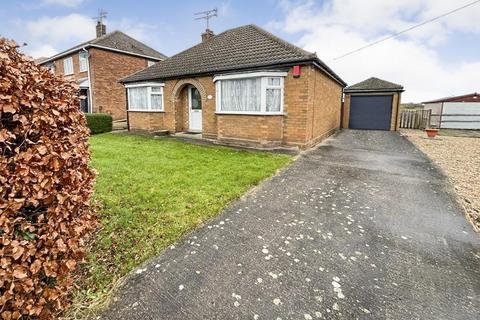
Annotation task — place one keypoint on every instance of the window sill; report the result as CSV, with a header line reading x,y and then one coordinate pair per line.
x,y
252,113
147,111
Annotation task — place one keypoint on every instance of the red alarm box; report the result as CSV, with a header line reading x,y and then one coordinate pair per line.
x,y
296,71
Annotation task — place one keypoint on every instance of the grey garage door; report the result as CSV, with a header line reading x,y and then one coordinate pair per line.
x,y
370,112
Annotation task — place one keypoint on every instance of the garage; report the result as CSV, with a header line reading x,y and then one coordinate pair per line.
x,y
372,105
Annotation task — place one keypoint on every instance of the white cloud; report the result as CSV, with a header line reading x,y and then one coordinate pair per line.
x,y
47,36
55,30
65,3
141,31
42,51
337,27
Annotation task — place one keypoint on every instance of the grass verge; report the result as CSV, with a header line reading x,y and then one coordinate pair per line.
x,y
150,192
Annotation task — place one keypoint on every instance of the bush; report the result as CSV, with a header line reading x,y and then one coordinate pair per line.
x,y
45,187
99,122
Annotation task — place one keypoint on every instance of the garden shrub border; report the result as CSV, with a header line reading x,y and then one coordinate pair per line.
x,y
99,122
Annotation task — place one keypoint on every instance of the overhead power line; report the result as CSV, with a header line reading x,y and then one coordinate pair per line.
x,y
406,30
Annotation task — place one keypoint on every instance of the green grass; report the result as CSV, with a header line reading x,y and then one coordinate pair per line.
x,y
151,191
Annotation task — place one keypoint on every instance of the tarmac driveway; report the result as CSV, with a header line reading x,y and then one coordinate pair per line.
x,y
363,227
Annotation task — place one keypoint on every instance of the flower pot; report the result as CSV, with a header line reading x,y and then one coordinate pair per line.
x,y
431,133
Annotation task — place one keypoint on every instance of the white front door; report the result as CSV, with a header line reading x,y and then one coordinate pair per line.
x,y
195,109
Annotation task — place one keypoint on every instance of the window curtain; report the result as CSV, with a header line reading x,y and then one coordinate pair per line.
x,y
138,98
273,100
157,102
241,95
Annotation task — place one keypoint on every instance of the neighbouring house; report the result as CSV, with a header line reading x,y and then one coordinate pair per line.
x,y
372,104
459,112
243,86
97,66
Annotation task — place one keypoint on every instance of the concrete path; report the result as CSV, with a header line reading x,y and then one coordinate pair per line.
x,y
363,227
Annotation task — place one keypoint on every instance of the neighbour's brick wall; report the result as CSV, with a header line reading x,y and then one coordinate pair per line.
x,y
106,69
77,75
395,105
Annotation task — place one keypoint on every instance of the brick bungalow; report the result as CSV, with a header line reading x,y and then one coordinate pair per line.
x,y
97,66
244,86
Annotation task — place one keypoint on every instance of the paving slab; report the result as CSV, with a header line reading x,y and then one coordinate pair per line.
x,y
362,227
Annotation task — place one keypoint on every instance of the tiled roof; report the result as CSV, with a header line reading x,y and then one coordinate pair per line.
x,y
374,84
239,48
115,40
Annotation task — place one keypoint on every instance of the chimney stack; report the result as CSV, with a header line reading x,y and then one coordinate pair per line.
x,y
207,35
101,29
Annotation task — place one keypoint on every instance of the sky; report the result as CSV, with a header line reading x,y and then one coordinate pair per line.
x,y
437,60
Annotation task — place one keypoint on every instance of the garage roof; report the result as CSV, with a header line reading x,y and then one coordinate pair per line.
x,y
374,85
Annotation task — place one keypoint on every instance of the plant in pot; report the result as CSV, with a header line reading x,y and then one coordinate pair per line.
x,y
431,132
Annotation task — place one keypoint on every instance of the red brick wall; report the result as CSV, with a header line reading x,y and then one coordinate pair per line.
x,y
250,129
76,67
326,107
146,121
312,105
106,69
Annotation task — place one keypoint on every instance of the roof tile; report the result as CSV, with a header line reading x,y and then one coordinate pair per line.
x,y
239,48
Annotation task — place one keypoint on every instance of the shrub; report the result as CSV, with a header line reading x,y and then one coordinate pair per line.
x,y
45,187
99,122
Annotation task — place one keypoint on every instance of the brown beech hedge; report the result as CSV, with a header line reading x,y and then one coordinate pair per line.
x,y
45,187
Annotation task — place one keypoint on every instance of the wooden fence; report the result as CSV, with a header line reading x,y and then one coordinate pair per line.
x,y
415,119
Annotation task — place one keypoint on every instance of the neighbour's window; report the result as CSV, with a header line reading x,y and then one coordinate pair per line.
x,y
51,67
255,94
145,97
68,66
150,63
82,61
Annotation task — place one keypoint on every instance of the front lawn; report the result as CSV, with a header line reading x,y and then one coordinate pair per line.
x,y
151,191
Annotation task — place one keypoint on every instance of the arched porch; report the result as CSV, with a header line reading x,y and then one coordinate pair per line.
x,y
188,100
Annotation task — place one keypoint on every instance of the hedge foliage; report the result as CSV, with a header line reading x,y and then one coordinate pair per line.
x,y
99,122
45,187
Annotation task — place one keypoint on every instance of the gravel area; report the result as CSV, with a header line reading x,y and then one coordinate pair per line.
x,y
459,157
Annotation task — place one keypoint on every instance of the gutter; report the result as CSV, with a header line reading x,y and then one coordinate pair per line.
x,y
76,49
373,90
90,88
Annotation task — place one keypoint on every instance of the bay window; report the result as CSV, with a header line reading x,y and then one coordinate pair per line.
x,y
145,97
250,93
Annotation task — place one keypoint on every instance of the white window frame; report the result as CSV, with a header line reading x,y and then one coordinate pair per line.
x,y
83,59
65,71
149,86
263,94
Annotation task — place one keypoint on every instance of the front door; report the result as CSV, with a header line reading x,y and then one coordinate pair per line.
x,y
195,109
